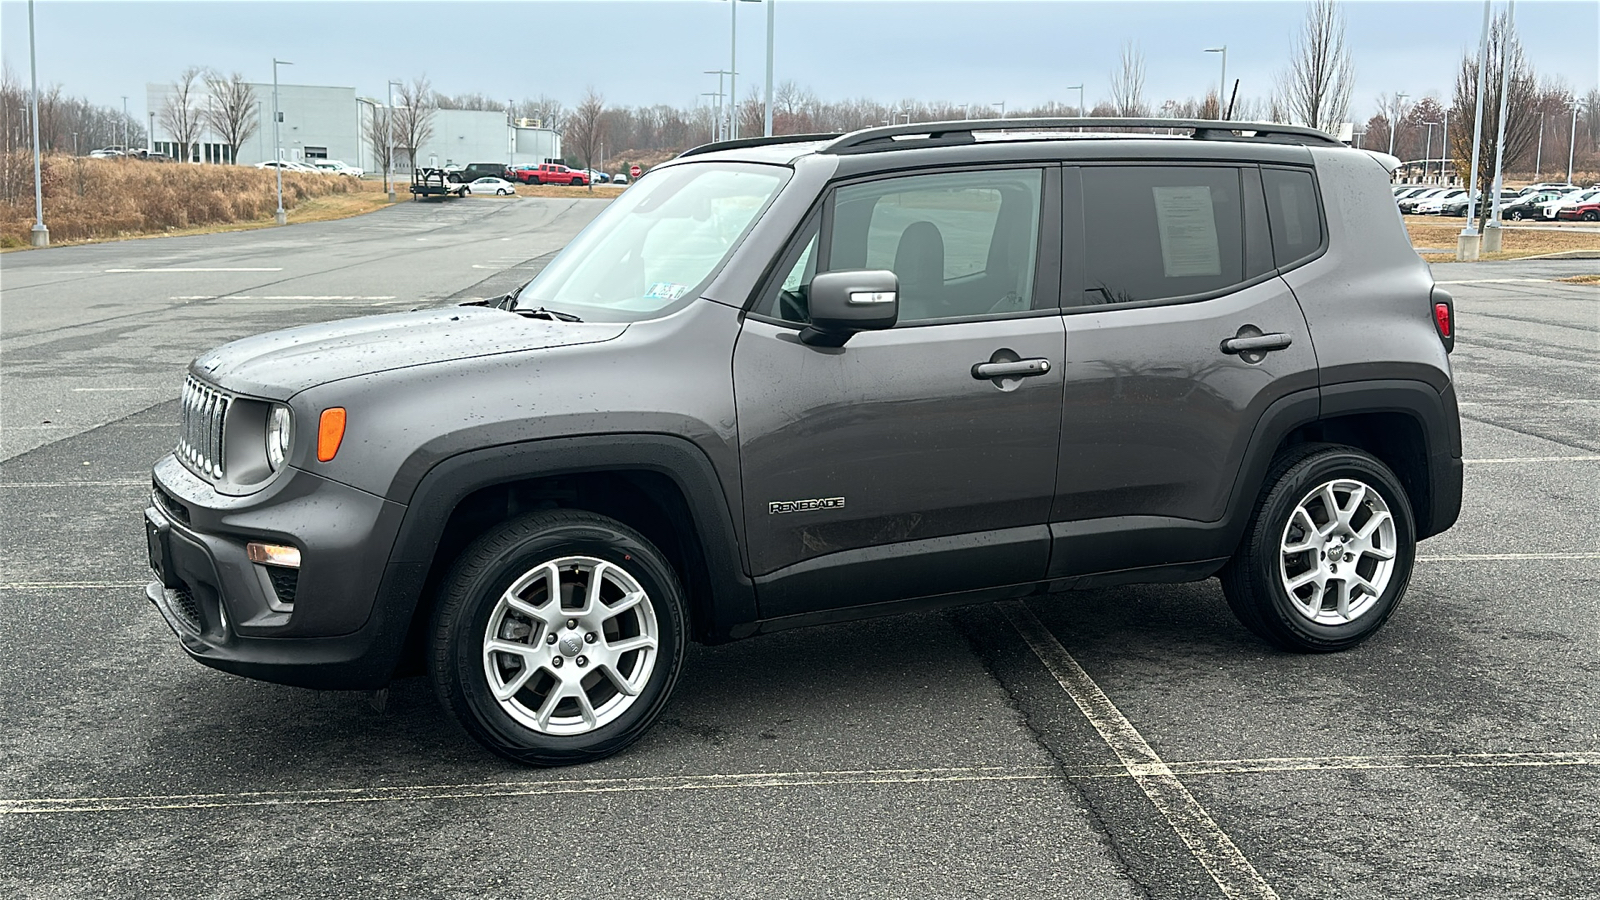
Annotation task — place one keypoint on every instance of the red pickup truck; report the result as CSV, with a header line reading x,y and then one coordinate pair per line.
x,y
549,173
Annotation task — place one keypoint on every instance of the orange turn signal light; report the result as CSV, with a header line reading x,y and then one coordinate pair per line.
x,y
330,431
273,554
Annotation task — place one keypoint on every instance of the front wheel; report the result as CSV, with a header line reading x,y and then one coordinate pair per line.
x,y
1591,216
558,638
1327,555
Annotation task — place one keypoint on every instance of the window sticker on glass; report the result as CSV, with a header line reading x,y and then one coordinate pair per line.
x,y
1188,227
1293,230
665,290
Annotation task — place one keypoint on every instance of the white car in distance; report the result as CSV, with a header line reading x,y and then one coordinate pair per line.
x,y
491,185
1573,198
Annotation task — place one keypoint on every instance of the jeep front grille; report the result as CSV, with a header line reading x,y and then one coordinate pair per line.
x,y
204,409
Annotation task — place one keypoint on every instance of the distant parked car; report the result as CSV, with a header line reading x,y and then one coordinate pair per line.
x,y
107,153
288,166
1527,205
1552,210
497,186
1546,186
620,178
1409,204
1457,206
550,173
1432,205
336,167
473,171
597,176
1588,211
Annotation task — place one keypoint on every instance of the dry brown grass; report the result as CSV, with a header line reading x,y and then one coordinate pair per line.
x,y
563,190
1516,243
1581,279
107,199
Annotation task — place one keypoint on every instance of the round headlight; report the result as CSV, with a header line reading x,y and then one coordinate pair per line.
x,y
278,436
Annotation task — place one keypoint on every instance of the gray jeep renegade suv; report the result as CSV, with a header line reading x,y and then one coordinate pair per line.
x,y
781,382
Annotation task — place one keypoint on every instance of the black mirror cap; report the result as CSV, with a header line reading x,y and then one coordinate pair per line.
x,y
843,303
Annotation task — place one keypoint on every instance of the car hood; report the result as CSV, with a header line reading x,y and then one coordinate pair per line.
x,y
280,364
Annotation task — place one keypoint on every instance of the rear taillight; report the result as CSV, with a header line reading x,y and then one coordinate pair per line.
x,y
1444,318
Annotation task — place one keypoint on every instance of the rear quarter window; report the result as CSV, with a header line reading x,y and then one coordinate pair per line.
x,y
1293,214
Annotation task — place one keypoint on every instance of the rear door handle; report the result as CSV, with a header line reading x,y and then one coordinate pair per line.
x,y
1256,343
1021,368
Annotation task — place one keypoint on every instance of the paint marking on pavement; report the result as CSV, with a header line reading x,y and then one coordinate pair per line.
x,y
1534,459
282,297
193,269
1481,557
1526,402
124,482
1404,761
503,790
68,585
1210,845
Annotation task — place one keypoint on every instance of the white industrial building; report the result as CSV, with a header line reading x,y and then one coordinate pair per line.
x,y
331,123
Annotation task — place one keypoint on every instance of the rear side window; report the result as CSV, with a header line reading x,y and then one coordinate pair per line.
x,y
1159,232
1295,217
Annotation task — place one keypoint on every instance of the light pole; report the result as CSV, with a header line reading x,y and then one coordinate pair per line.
x,y
40,237
1427,150
767,117
1538,154
1572,141
74,143
721,132
1394,126
733,69
1222,86
389,127
277,148
1444,143
1079,89
124,123
1470,242
1491,237
716,114
1002,105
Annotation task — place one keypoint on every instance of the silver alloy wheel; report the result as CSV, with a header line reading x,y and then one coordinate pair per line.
x,y
569,645
1337,552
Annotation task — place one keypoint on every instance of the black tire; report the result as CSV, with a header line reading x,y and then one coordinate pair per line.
x,y
469,598
1516,215
1591,216
1251,580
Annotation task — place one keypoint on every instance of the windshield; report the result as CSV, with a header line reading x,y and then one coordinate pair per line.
x,y
658,244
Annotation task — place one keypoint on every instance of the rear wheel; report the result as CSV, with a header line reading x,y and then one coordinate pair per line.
x,y
558,638
1327,555
1591,216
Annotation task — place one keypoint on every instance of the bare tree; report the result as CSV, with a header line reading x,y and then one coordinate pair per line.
x,y
1522,113
1316,87
232,110
379,132
181,114
586,129
1127,83
413,121
1591,114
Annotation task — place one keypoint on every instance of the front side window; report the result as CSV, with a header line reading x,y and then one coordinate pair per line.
x,y
1160,232
658,244
961,244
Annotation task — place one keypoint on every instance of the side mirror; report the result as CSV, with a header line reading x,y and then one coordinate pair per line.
x,y
843,303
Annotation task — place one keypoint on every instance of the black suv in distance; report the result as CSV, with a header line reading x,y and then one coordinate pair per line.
x,y
788,381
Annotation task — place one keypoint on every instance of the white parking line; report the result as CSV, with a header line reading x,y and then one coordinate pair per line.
x,y
1211,846
498,790
222,269
125,482
68,585
1534,459
1479,557
1525,401
281,297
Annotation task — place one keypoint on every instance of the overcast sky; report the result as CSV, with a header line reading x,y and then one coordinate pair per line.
x,y
654,51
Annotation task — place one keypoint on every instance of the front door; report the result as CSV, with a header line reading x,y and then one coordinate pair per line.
x,y
888,468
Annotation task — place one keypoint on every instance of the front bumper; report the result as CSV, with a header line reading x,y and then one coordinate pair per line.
x,y
231,614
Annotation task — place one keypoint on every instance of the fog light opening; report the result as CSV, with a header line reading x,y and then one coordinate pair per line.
x,y
273,555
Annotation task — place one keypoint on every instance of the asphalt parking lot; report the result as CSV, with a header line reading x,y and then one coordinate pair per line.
x,y
1129,742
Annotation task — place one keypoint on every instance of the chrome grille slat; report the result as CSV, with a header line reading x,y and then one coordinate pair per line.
x,y
204,410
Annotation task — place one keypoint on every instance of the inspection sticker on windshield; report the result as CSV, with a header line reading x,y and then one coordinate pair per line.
x,y
666,290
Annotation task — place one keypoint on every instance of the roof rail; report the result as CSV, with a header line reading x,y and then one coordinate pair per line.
x,y
741,143
961,132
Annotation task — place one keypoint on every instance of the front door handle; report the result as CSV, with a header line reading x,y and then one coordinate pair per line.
x,y
1021,368
1256,343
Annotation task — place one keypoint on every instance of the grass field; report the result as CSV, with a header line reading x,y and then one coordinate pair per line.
x,y
1439,234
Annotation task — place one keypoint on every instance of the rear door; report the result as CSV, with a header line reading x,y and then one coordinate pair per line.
x,y
1170,267
886,469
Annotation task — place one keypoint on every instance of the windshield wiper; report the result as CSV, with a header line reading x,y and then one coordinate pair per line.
x,y
552,315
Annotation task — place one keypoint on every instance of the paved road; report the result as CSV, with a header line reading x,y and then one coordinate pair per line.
x,y
1132,742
